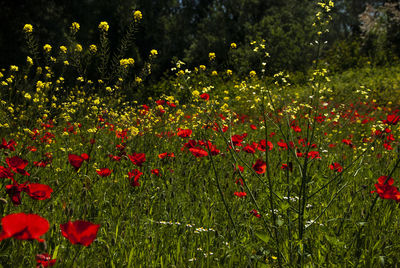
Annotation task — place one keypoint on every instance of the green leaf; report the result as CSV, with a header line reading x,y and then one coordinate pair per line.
x,y
130,257
263,236
55,252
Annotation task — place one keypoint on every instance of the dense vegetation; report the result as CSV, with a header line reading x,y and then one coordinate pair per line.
x,y
258,150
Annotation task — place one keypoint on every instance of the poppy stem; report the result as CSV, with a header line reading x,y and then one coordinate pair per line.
x,y
76,256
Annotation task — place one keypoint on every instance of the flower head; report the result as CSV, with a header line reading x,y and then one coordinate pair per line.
x,y
24,227
80,232
153,52
47,48
28,28
137,16
104,26
260,166
75,27
211,56
137,158
93,48
44,260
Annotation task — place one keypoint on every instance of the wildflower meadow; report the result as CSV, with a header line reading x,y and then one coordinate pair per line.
x,y
205,168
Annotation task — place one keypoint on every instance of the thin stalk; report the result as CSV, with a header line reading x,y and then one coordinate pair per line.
x,y
271,197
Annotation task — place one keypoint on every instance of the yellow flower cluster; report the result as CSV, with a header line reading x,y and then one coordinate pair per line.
x,y
29,60
153,52
28,28
78,47
104,26
233,45
211,56
93,48
75,27
47,48
126,62
137,15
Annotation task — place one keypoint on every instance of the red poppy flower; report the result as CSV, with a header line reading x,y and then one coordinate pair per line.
x,y
213,148
135,174
145,107
253,127
114,157
255,213
240,194
240,168
24,227
296,128
85,156
8,145
38,191
249,149
44,260
348,142
238,139
198,152
5,173
75,160
392,119
205,96
262,146
156,172
14,191
80,232
313,154
40,163
31,148
260,166
160,102
387,190
282,144
18,165
170,104
137,158
336,167
165,155
184,133
104,172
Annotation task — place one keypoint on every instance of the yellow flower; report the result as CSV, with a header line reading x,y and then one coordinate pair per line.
x,y
47,48
202,67
27,96
196,93
211,56
78,47
153,52
126,62
14,68
233,45
63,49
137,16
229,72
214,73
252,73
138,80
104,26
75,27
66,62
93,48
28,28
